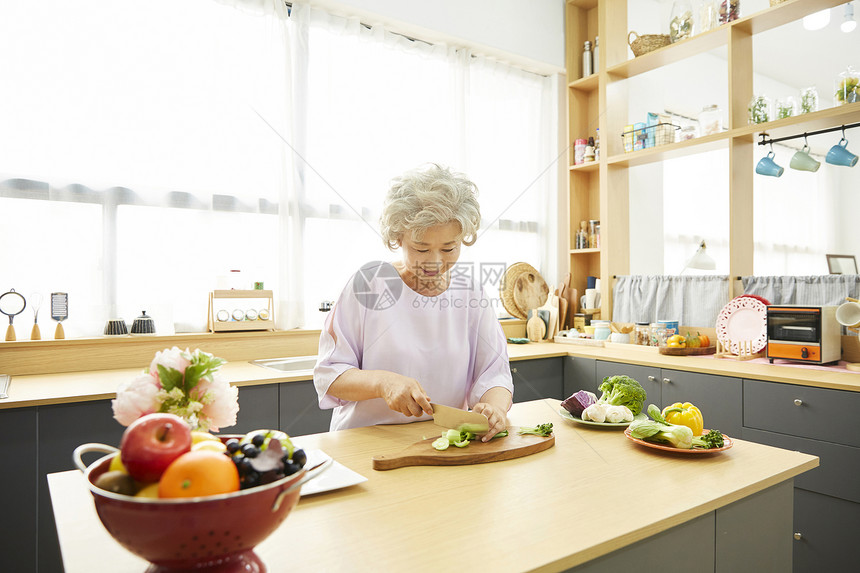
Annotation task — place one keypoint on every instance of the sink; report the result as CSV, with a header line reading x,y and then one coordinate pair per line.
x,y
294,364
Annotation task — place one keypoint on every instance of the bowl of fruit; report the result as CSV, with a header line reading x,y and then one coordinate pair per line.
x,y
192,500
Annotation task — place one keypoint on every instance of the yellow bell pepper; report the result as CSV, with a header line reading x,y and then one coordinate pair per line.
x,y
685,415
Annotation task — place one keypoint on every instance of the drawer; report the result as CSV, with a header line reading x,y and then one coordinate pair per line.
x,y
825,533
804,411
838,471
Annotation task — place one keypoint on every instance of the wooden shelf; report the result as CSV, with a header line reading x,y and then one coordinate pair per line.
x,y
757,23
586,84
590,166
584,251
583,4
671,150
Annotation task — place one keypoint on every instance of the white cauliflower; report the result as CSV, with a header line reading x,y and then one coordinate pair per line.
x,y
616,414
595,412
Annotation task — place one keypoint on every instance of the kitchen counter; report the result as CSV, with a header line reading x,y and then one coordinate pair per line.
x,y
544,512
43,389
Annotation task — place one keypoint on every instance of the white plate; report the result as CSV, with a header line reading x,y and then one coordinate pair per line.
x,y
568,416
336,477
743,319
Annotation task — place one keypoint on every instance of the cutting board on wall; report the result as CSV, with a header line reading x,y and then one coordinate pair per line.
x,y
509,447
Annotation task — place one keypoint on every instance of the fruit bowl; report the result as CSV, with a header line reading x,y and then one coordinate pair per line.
x,y
211,533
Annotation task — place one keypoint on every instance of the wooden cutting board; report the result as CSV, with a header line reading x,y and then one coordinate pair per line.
x,y
688,351
422,453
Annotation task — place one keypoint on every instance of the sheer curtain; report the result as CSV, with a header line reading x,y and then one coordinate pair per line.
x,y
151,148
691,300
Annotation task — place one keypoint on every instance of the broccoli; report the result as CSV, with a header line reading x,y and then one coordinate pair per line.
x,y
542,430
713,439
623,391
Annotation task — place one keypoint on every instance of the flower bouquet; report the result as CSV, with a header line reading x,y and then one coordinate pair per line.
x,y
182,383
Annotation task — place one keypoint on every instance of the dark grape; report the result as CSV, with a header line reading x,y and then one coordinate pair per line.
x,y
250,450
258,440
291,467
300,457
232,445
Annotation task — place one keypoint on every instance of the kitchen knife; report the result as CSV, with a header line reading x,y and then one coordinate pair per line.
x,y
458,419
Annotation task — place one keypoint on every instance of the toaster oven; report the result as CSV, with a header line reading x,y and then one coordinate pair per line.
x,y
803,334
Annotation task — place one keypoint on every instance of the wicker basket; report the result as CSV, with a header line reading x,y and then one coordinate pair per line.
x,y
647,43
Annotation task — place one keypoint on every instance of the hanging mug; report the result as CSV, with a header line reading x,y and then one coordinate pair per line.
x,y
802,161
839,155
767,166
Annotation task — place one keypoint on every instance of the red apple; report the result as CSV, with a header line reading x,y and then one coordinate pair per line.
x,y
151,442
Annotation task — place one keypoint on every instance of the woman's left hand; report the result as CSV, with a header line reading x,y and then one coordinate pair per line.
x,y
498,419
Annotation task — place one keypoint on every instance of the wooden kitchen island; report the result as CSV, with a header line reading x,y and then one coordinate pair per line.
x,y
594,502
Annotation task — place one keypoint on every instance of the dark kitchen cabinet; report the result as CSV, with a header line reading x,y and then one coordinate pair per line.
x,y
62,428
720,398
299,409
825,532
579,374
538,379
258,409
18,482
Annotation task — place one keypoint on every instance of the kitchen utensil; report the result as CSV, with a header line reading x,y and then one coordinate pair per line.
x,y
743,319
449,417
802,161
563,323
59,311
36,303
839,155
5,382
116,327
687,351
509,447
12,304
143,325
535,327
193,533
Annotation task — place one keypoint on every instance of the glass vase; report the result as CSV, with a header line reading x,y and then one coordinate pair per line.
x,y
808,100
760,109
847,87
681,22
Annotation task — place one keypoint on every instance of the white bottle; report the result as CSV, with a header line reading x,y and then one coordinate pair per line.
x,y
586,60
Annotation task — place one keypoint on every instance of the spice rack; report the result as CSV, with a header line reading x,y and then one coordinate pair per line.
x,y
224,319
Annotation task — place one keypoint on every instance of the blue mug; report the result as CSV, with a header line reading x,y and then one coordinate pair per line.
x,y
767,166
839,155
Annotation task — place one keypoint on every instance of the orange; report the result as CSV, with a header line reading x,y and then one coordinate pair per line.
x,y
197,473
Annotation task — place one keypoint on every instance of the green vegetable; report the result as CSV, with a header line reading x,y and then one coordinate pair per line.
x,y
454,436
656,414
713,439
441,443
677,436
542,430
623,391
462,444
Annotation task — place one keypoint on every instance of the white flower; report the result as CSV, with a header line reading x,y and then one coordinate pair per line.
x,y
173,358
136,398
220,402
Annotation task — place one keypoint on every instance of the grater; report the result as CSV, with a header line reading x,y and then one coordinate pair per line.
x,y
59,311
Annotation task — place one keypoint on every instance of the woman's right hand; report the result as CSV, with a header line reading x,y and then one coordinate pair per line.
x,y
404,395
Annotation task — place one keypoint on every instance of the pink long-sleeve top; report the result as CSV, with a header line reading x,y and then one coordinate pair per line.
x,y
452,344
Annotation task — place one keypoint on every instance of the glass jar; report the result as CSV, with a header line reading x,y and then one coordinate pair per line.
x,y
601,329
760,109
659,336
847,87
709,16
642,334
688,132
730,10
681,22
786,107
808,100
711,120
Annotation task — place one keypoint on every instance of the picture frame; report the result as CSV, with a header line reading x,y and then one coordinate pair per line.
x,y
842,264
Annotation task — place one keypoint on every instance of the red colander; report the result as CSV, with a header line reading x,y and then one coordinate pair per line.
x,y
210,533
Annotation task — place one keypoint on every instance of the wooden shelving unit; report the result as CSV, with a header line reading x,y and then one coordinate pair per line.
x,y
600,190
265,302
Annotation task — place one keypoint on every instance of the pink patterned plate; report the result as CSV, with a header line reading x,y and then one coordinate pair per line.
x,y
743,319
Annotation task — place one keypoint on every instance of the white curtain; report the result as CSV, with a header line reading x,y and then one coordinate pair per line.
x,y
825,290
691,300
150,148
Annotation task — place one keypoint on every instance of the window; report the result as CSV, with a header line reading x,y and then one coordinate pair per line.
x,y
145,155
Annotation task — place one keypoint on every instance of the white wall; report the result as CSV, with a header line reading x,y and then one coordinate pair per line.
x,y
529,34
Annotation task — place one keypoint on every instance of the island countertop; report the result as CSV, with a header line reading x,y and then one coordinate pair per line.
x,y
544,512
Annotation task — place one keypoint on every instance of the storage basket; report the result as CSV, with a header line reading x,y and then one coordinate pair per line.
x,y
647,43
663,134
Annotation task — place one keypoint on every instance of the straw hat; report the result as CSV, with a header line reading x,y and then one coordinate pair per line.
x,y
523,289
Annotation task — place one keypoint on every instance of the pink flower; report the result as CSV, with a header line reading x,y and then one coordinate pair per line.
x,y
221,402
135,399
173,358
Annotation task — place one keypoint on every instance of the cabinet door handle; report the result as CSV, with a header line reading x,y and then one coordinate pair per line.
x,y
652,378
798,535
666,380
798,402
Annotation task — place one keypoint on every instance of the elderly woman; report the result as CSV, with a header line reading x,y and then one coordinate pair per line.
x,y
406,333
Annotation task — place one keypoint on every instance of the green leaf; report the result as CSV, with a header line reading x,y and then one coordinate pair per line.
x,y
170,377
193,374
